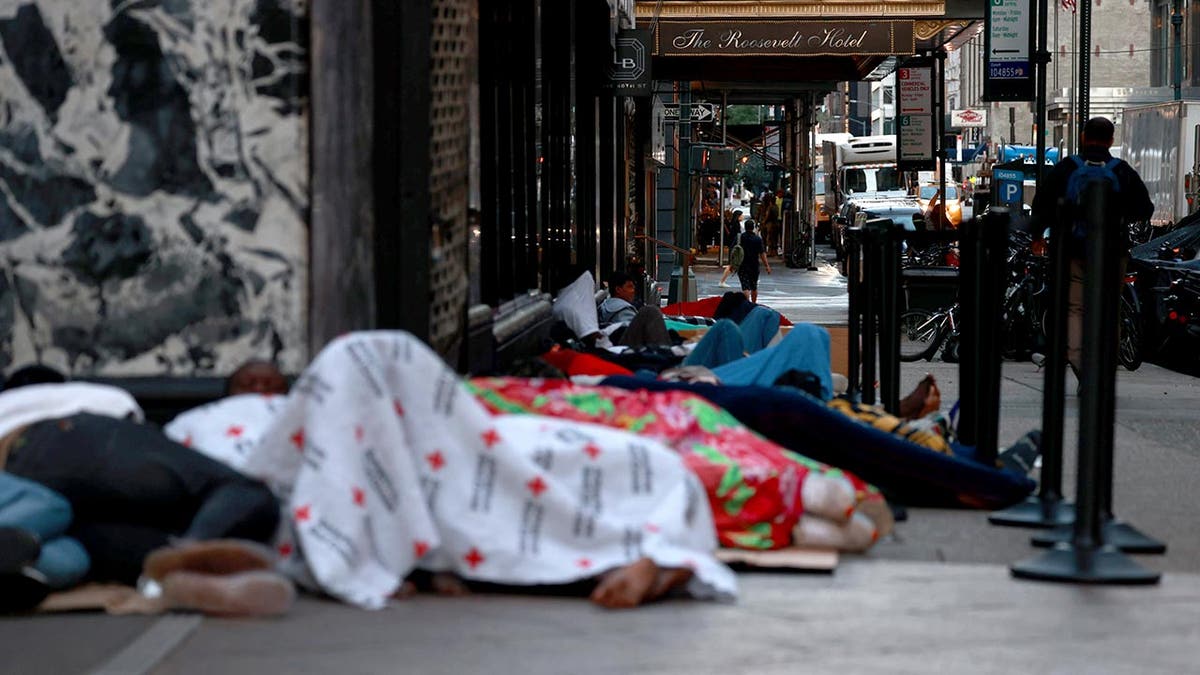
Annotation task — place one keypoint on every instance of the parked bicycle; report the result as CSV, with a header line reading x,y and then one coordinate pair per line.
x,y
923,332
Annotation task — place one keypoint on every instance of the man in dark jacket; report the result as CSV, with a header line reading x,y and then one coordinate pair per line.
x,y
1133,201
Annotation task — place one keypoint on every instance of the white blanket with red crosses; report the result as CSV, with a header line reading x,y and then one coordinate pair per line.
x,y
385,462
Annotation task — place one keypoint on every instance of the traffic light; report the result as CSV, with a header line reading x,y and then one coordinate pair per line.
x,y
712,159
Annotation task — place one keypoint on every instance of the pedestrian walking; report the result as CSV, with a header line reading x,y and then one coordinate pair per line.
x,y
1094,159
753,254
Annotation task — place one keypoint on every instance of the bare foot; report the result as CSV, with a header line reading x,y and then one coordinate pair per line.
x,y
449,585
636,583
923,400
668,578
407,589
627,586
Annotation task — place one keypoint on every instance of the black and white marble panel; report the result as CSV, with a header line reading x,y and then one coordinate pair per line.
x,y
153,184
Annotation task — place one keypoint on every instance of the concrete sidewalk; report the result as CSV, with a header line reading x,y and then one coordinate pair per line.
x,y
935,597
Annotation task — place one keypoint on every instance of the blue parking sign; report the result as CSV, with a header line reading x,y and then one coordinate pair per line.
x,y
1010,186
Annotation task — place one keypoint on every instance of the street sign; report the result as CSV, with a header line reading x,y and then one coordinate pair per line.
x,y
916,90
1008,46
915,122
700,112
1010,186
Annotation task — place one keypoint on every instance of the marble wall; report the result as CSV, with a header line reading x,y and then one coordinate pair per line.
x,y
153,184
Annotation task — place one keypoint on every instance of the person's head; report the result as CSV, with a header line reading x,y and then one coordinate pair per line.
x,y
33,374
620,285
750,226
1097,131
256,377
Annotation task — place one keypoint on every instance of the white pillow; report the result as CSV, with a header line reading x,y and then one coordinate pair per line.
x,y
576,305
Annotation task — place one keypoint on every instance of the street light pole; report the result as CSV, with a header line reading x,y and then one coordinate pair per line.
x,y
1176,25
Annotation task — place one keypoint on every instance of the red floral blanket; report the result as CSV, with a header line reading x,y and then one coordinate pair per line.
x,y
755,487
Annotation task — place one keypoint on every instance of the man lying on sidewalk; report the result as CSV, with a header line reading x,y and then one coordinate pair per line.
x,y
134,493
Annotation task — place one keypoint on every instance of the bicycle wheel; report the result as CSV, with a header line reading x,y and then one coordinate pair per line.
x,y
1130,344
920,331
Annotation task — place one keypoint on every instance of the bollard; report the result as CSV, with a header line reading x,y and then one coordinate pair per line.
x,y
854,287
1117,533
1048,508
870,309
888,248
993,255
968,303
1086,557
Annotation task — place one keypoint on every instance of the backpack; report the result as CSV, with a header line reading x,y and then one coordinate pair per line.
x,y
736,256
1084,173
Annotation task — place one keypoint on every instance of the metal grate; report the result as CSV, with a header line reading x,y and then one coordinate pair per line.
x,y
453,46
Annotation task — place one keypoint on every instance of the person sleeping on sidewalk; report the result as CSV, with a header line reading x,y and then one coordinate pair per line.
x,y
387,465
136,502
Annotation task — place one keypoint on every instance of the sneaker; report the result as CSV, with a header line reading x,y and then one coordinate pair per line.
x,y
22,591
1021,457
18,549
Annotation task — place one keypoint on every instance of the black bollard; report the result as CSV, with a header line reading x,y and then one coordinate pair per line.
x,y
854,288
1086,557
870,310
968,303
993,254
888,238
1048,508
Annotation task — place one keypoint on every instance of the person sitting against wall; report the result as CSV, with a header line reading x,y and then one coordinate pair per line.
x,y
617,321
142,504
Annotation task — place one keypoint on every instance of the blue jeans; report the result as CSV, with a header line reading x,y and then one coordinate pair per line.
x,y
47,514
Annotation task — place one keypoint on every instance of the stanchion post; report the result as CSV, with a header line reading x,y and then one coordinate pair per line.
x,y
1086,558
889,313
1099,381
968,305
993,252
854,283
1048,508
870,311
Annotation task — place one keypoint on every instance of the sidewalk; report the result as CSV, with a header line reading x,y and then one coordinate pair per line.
x,y
935,597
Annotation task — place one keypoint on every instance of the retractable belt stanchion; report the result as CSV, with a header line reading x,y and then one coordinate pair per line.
x,y
888,256
870,310
968,305
854,283
1048,508
1086,557
993,259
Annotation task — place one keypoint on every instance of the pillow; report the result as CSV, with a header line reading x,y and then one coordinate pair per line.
x,y
576,306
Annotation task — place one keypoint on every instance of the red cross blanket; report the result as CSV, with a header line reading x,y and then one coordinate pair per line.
x,y
386,463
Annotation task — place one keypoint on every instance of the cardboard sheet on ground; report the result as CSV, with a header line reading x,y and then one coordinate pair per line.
x,y
807,559
386,463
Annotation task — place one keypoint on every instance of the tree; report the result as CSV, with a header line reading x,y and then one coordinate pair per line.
x,y
742,114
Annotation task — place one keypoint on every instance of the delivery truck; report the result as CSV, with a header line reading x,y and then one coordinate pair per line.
x,y
1160,141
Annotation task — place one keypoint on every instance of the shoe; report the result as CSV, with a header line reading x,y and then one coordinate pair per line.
x,y
19,548
22,591
723,285
245,594
216,556
1020,457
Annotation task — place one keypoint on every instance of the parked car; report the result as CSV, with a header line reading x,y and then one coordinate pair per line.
x,y
1167,272
901,210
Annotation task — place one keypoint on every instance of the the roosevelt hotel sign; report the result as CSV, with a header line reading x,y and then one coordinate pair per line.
x,y
783,38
